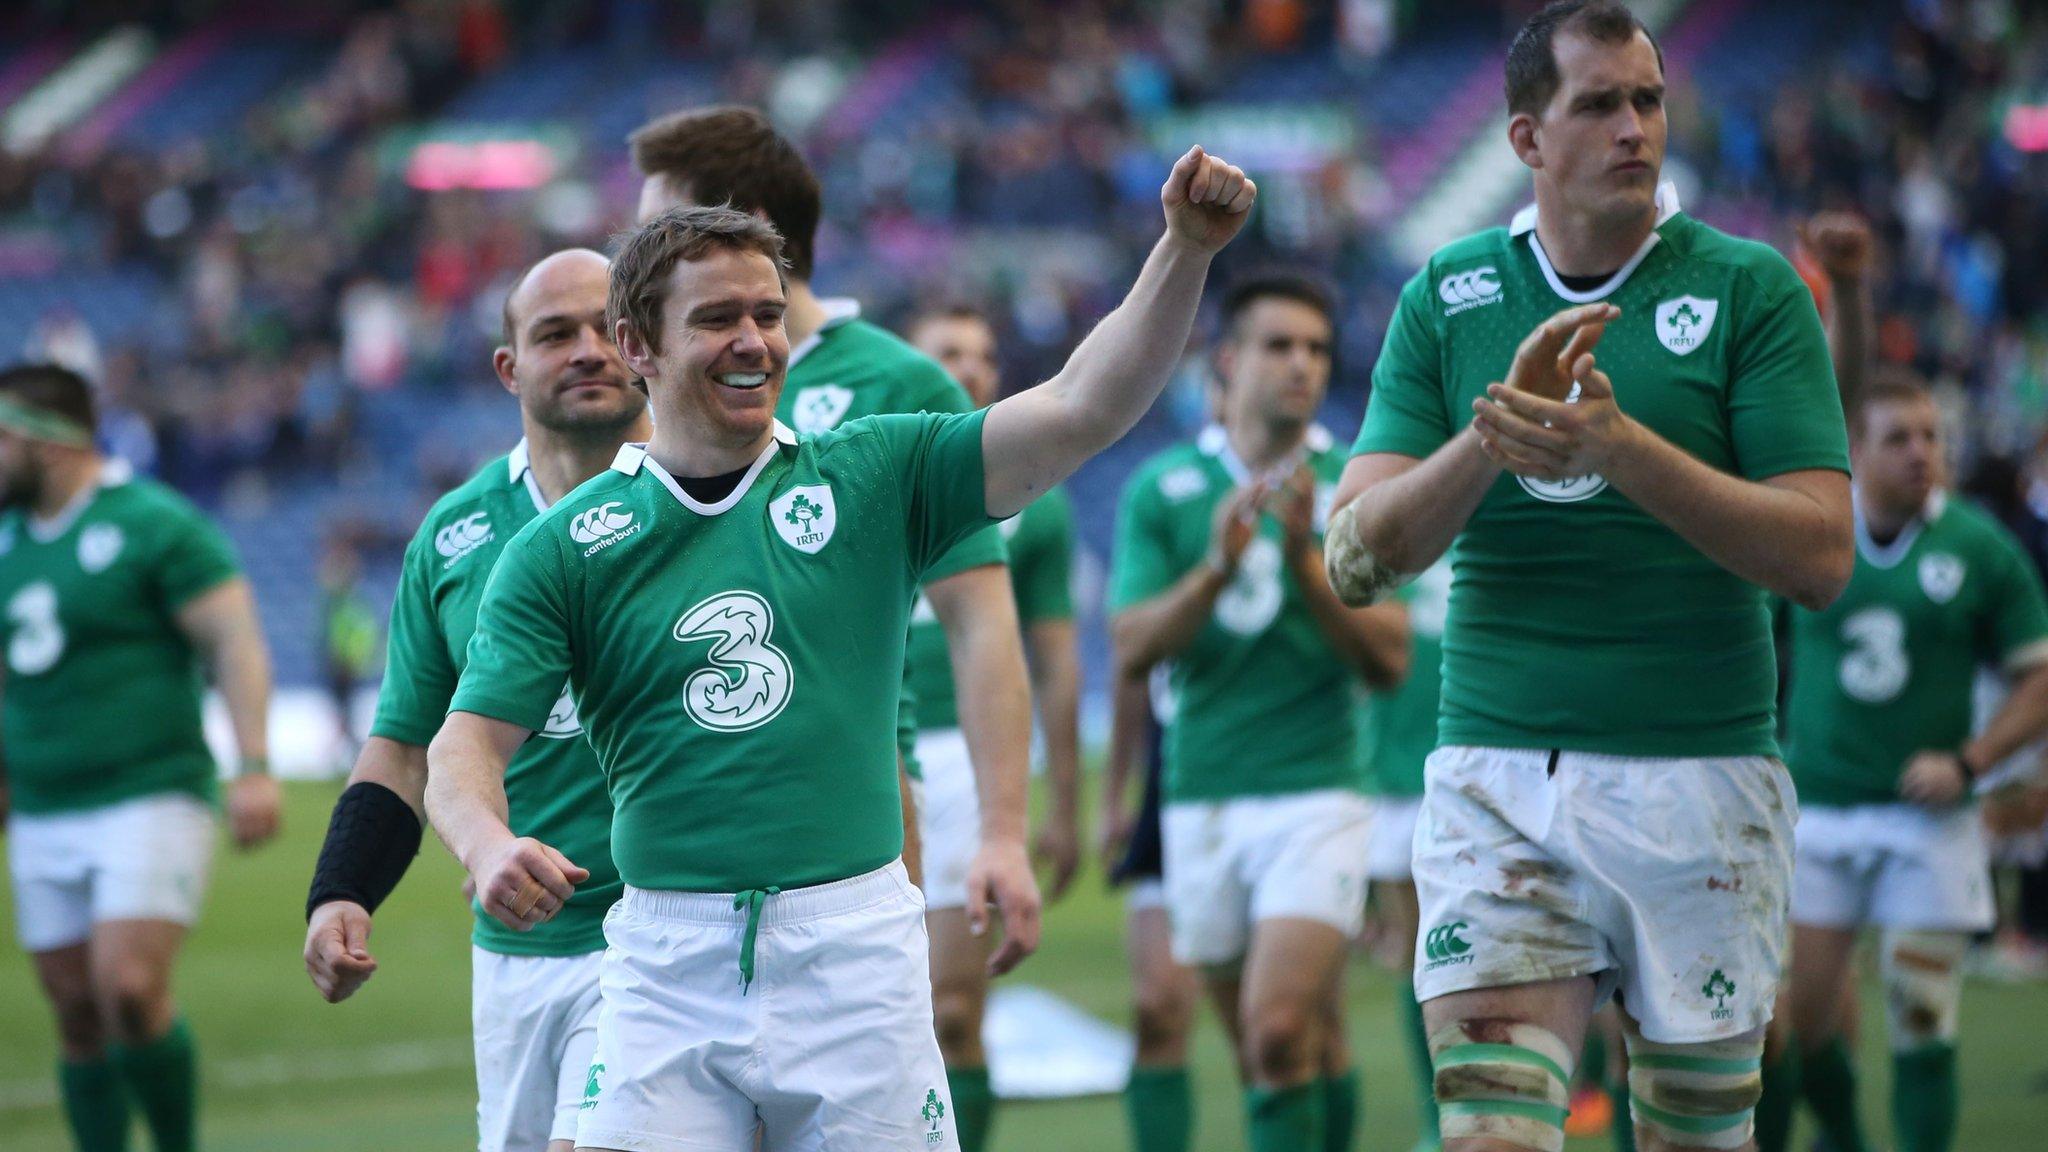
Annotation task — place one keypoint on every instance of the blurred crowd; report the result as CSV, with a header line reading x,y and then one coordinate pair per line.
x,y
309,275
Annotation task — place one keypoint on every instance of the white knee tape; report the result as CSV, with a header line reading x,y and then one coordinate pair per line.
x,y
1923,985
1502,1080
1697,1095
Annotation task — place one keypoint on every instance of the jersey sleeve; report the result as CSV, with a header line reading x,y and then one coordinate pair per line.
x,y
2017,626
1405,413
927,388
1142,564
1042,560
977,551
937,461
419,675
519,658
1784,409
194,556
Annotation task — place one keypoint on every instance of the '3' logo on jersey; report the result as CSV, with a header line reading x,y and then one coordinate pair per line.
x,y
748,682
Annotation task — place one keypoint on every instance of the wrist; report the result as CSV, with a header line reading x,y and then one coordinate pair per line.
x,y
1623,447
258,765
1218,569
1971,769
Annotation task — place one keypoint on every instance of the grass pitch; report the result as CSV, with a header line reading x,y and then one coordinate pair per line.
x,y
390,1069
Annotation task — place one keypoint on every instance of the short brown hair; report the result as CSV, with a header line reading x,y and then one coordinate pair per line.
x,y
55,389
639,283
1897,386
733,155
1532,76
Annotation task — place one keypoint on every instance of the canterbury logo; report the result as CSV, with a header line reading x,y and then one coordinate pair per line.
x,y
1467,290
1443,943
463,537
599,522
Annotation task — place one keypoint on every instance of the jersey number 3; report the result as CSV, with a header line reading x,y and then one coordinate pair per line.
x,y
38,640
1875,668
748,683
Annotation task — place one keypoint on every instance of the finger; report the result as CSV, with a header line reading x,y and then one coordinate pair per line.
x,y
1521,461
1233,182
1581,343
1178,181
977,904
541,866
1524,438
1529,406
1593,383
569,870
1245,198
1213,175
355,937
1550,336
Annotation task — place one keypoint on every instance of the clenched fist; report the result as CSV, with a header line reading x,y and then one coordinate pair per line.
x,y
1207,201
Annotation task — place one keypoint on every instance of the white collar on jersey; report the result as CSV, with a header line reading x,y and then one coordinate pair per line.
x,y
114,472
1213,440
1889,555
521,466
1525,221
838,310
633,457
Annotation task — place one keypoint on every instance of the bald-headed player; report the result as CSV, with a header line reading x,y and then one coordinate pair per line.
x,y
1040,541
535,995
1605,812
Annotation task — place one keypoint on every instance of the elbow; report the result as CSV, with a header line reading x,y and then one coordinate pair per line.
x,y
1129,652
1825,576
1361,566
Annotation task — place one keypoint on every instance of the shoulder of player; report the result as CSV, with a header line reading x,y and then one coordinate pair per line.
x,y
863,356
151,506
1971,525
472,495
1766,268
1173,474
1492,245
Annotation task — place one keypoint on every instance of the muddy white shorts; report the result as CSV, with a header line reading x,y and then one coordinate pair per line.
x,y
948,816
1392,852
829,1047
533,1020
140,859
1668,879
1894,866
1231,863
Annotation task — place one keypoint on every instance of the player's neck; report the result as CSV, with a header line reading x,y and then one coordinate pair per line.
x,y
686,457
561,461
1583,243
1261,445
64,480
805,315
1882,521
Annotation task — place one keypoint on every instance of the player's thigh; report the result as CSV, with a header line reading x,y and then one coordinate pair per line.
x,y
50,864
1923,979
135,957
1164,991
66,978
1504,1059
959,972
1399,917
1698,1096
1820,966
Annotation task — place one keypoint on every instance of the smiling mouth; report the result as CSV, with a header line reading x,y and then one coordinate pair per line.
x,y
743,381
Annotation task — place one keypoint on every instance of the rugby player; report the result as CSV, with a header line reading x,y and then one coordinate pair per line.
x,y
1608,676
1879,742
1218,570
841,367
721,602
116,591
534,994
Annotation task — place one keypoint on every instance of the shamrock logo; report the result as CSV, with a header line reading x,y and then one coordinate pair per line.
x,y
1720,987
802,512
1684,318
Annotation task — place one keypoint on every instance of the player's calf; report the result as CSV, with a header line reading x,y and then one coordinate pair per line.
x,y
67,982
1699,1096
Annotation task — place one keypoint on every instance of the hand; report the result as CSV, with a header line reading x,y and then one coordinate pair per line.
x,y
1113,828
338,949
1207,201
1934,779
1057,848
468,888
1549,440
1230,532
523,882
1841,242
2016,810
1294,505
255,808
1001,874
1543,364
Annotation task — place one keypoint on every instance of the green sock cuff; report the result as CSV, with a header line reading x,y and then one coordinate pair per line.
x,y
1159,1105
1340,1109
95,1104
1935,1058
1159,1075
974,1106
969,1082
163,1077
1285,1119
174,1044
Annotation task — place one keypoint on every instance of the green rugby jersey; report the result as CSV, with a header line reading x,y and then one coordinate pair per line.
x,y
1887,670
850,368
1264,704
734,663
1577,620
102,695
1040,541
1397,730
554,790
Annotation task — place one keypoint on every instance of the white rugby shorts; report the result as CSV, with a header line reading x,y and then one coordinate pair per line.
x,y
1231,863
1391,854
140,859
830,1047
1896,866
533,1021
1667,879
948,816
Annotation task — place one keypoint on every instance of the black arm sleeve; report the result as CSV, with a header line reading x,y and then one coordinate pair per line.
x,y
371,840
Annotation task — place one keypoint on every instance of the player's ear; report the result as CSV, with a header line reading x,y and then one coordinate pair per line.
x,y
632,349
1522,138
503,361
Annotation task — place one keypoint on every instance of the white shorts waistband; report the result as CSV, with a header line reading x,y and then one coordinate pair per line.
x,y
792,906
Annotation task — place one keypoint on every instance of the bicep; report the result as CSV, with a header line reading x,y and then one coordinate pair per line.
x,y
1826,488
223,610
467,733
1363,472
1053,650
396,765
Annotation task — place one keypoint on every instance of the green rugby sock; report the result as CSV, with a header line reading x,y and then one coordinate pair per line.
x,y
95,1104
1340,1110
1780,1100
1285,1119
1161,1109
1418,1060
1827,1080
1924,1098
163,1075
974,1106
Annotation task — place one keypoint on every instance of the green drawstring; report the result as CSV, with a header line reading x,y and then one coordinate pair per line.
x,y
751,900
